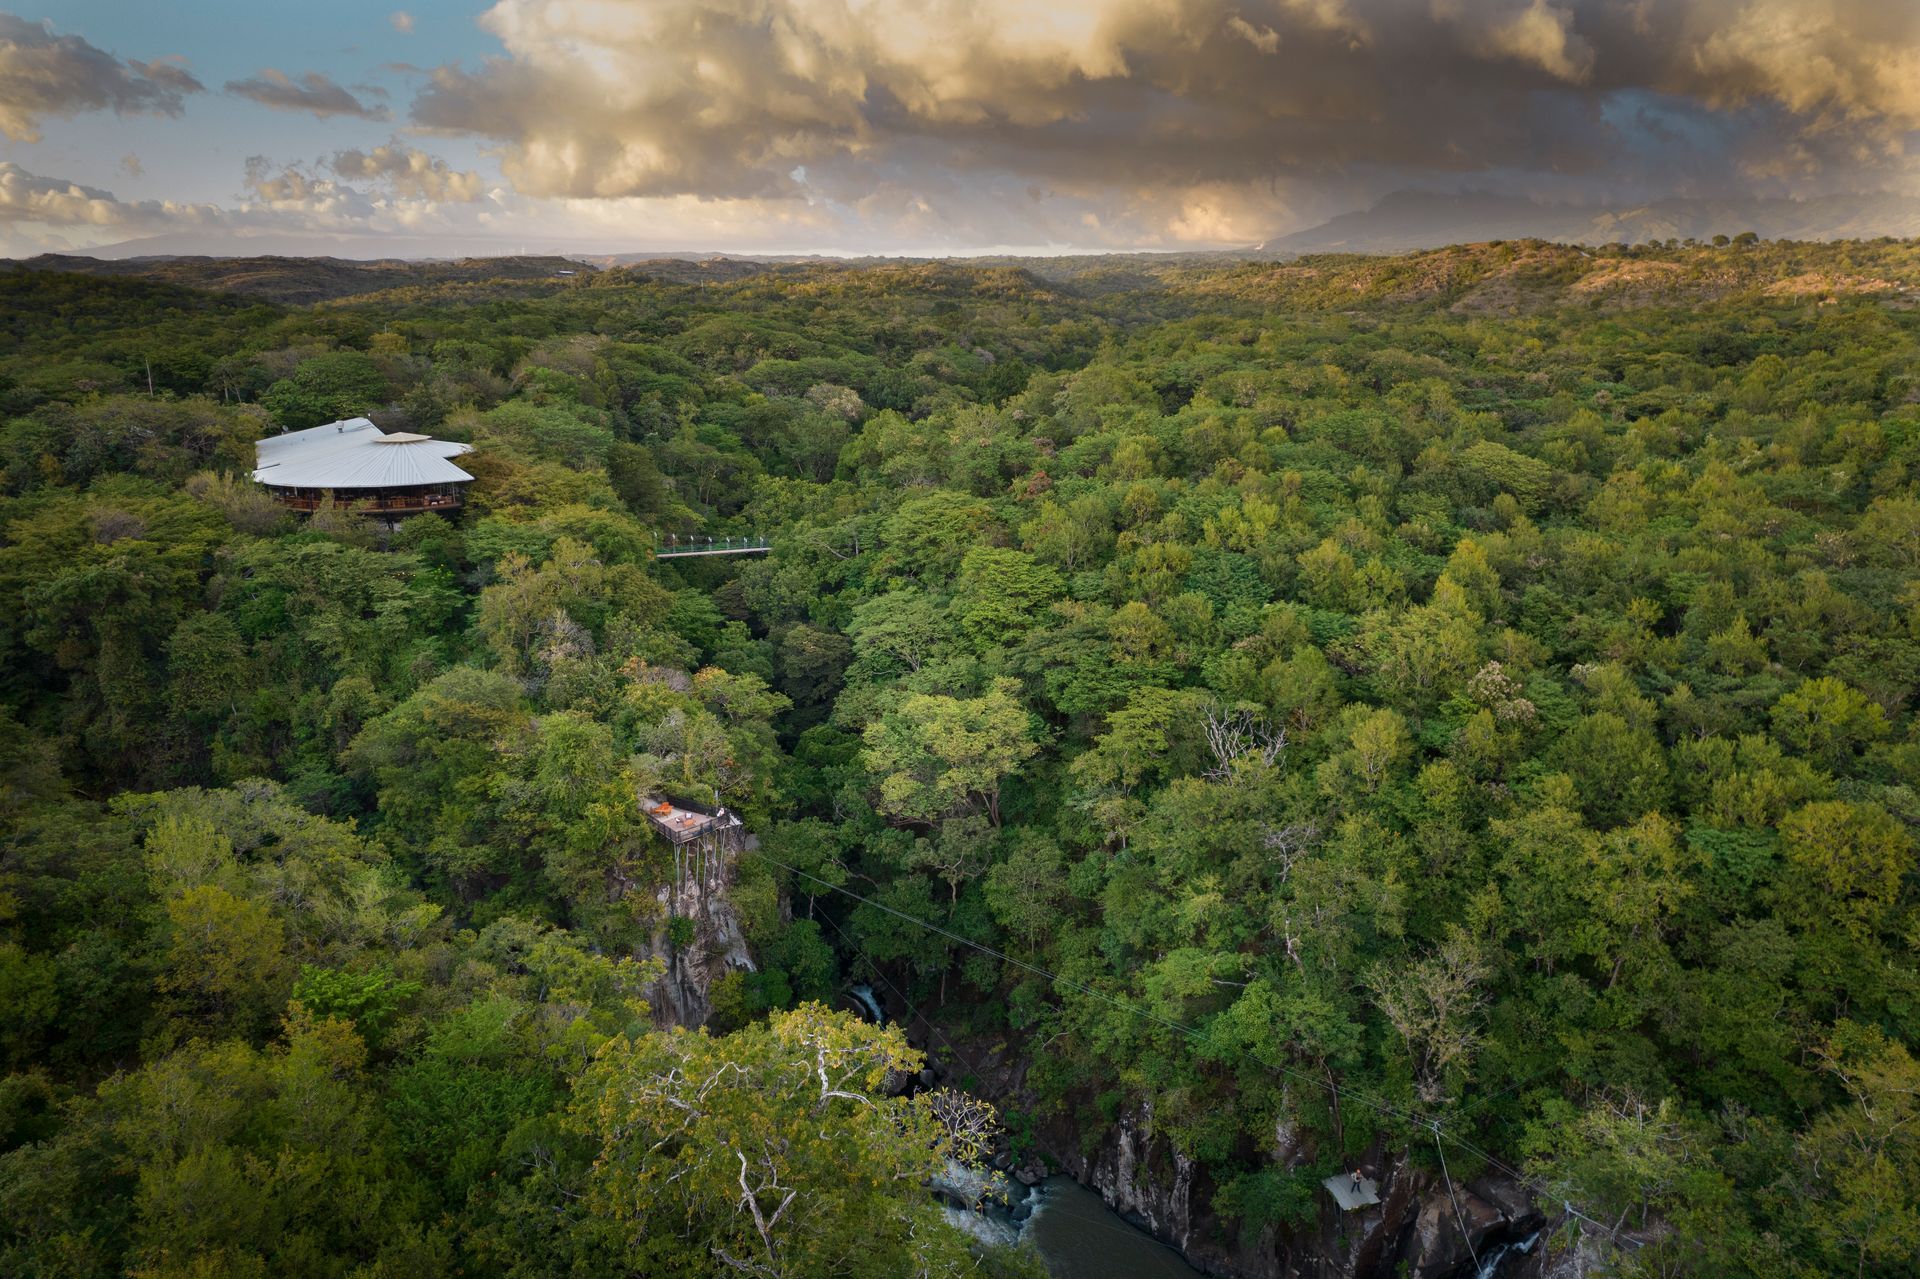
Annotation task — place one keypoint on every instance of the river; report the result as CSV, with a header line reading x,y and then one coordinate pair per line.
x,y
1079,1237
1075,1233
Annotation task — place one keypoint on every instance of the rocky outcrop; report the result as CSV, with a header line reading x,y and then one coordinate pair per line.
x,y
1142,1178
1414,1232
718,946
1423,1228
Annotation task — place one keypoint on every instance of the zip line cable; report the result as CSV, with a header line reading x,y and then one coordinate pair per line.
x,y
1376,1104
881,976
1440,1149
857,948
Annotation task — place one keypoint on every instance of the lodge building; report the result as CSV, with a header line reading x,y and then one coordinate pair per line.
x,y
355,462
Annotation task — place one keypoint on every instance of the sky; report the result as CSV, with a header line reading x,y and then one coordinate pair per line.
x,y
913,126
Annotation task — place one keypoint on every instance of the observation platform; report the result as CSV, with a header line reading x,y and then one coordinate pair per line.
x,y
1352,1193
683,823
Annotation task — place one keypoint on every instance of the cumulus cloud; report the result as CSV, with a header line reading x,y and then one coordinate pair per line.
x,y
959,124
1205,111
410,172
402,21
1538,33
314,93
1265,39
43,74
27,197
1853,59
39,212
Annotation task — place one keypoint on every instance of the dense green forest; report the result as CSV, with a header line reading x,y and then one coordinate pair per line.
x,y
1357,699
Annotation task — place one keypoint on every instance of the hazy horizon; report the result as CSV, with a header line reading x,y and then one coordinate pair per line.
x,y
932,129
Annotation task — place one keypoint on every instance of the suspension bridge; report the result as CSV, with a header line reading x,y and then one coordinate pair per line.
x,y
678,547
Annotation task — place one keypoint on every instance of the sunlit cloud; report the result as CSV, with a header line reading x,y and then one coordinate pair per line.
x,y
410,171
1101,101
943,125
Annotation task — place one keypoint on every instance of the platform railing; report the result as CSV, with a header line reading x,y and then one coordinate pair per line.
x,y
676,545
425,502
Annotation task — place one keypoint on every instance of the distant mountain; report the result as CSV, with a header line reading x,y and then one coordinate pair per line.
x,y
1409,220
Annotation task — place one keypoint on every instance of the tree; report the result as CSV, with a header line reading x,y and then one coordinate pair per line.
x,y
206,661
1850,860
772,1151
226,963
1000,594
1859,1164
939,755
901,626
928,536
1071,535
1620,770
1828,720
1434,1007
327,388
1026,888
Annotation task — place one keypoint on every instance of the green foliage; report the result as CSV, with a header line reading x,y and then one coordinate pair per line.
x,y
700,1139
369,1000
326,388
1480,682
941,755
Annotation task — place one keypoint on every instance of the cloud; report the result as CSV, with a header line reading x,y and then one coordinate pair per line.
x,y
308,198
27,197
39,213
43,74
1536,33
410,172
402,21
298,208
1826,59
1113,108
921,125
314,93
1265,39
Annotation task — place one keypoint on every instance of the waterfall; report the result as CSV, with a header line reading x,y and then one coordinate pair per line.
x,y
1490,1263
863,995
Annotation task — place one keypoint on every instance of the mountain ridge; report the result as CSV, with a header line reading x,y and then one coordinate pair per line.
x,y
1407,221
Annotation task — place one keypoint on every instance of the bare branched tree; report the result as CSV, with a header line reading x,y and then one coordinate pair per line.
x,y
1435,1006
1234,732
1289,844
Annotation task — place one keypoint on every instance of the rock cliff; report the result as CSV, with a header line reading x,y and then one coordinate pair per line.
x,y
1414,1232
717,946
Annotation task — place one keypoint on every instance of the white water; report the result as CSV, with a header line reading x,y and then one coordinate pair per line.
x,y
863,995
1498,1255
994,1231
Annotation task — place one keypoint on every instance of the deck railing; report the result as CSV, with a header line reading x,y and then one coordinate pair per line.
x,y
422,502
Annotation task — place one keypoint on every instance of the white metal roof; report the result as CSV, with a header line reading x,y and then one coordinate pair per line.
x,y
355,454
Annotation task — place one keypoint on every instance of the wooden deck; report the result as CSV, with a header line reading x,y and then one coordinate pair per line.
x,y
684,825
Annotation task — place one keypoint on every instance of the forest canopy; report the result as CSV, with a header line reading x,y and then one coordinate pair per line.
x,y
1328,704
